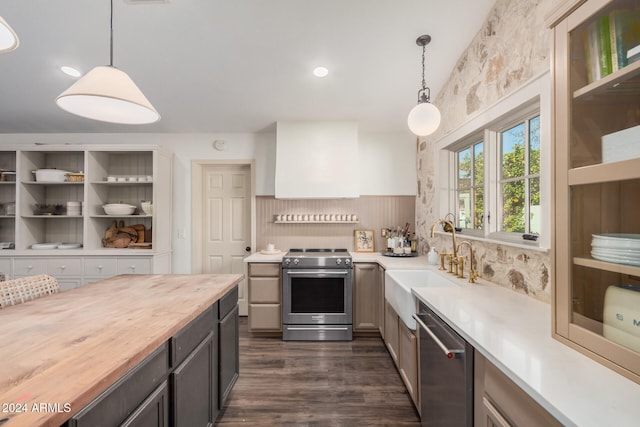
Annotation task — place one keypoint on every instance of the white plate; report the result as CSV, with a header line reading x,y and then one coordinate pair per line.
x,y
273,252
616,252
616,241
616,260
45,245
70,246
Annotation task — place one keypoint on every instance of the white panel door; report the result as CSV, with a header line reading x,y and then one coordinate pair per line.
x,y
227,222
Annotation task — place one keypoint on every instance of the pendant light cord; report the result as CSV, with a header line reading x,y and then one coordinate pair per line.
x,y
111,43
424,94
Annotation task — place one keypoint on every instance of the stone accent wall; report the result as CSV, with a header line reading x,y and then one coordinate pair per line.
x,y
512,47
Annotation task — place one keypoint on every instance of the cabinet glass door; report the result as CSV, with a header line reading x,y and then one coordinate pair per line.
x,y
602,188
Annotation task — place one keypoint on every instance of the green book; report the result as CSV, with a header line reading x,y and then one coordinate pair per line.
x,y
604,45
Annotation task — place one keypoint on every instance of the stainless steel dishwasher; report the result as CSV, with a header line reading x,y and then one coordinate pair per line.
x,y
446,373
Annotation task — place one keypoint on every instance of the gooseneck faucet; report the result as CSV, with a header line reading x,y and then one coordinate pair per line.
x,y
472,272
453,233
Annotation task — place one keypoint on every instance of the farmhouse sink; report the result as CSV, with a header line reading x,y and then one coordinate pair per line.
x,y
397,291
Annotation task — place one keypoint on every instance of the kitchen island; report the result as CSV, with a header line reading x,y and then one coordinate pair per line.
x,y
62,351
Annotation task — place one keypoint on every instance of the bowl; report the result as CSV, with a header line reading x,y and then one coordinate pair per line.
x,y
147,207
51,175
119,209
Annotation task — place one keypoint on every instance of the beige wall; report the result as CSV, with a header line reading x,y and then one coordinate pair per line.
x,y
512,47
374,212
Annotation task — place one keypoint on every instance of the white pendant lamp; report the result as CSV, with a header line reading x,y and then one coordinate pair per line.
x,y
425,117
8,38
108,94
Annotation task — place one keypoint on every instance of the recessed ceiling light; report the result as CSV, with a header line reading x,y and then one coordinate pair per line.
x,y
320,72
70,71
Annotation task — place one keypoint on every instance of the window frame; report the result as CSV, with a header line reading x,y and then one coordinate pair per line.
x,y
531,99
525,118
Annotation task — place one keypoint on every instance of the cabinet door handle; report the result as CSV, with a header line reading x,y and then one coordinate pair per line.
x,y
29,267
62,267
132,268
99,268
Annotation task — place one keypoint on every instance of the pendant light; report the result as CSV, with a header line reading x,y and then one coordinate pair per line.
x,y
107,94
8,38
424,118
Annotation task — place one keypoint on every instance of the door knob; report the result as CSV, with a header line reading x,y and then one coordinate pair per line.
x,y
248,249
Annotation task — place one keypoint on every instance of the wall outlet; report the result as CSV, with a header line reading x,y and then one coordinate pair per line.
x,y
181,233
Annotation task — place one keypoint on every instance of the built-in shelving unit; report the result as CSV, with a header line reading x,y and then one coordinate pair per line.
x,y
146,171
596,183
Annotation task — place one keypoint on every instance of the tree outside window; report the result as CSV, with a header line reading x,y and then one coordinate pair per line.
x,y
470,187
520,177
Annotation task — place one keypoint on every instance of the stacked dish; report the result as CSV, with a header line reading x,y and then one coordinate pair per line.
x,y
618,248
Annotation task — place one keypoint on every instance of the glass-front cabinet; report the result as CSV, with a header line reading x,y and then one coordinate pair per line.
x,y
596,70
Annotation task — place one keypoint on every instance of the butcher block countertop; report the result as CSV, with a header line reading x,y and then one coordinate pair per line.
x,y
61,351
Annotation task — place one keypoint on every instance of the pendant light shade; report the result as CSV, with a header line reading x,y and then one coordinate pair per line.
x,y
8,38
424,118
109,95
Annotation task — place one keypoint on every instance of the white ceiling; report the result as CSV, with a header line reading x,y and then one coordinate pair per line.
x,y
235,65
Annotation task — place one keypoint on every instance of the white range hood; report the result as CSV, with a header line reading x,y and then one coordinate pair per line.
x,y
317,160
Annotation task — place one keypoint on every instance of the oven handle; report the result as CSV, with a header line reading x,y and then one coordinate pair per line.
x,y
447,352
318,273
295,328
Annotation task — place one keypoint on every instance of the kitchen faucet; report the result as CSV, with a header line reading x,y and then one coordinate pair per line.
x,y
472,273
454,256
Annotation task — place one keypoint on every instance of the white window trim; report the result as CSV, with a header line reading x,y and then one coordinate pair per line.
x,y
536,93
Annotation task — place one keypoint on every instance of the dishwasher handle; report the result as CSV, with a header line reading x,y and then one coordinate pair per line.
x,y
450,353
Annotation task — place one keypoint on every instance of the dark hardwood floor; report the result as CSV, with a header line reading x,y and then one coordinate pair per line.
x,y
299,383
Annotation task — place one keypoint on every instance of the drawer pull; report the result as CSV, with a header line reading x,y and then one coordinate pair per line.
x,y
29,267
99,267
62,267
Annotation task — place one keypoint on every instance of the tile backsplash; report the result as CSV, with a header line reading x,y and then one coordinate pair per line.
x,y
372,212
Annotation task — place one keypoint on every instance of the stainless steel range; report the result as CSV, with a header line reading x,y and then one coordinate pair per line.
x,y
317,294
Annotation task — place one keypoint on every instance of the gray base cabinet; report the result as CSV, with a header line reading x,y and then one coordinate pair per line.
x,y
265,299
499,402
185,382
128,395
153,412
366,294
229,345
193,386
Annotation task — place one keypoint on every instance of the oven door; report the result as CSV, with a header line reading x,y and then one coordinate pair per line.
x,y
316,297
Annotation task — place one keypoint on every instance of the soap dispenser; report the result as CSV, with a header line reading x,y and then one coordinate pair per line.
x,y
432,256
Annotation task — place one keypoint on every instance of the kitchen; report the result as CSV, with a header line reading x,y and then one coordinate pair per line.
x,y
472,95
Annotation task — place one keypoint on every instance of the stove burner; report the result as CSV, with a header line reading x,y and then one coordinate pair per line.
x,y
317,258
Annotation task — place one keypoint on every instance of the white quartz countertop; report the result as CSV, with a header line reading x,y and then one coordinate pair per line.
x,y
513,331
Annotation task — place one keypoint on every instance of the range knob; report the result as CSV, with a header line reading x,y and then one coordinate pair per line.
x,y
296,261
338,261
287,261
347,261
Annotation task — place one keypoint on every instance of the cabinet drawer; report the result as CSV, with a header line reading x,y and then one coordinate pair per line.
x,y
29,267
265,317
100,267
191,335
64,267
264,290
5,268
228,303
134,266
120,400
265,269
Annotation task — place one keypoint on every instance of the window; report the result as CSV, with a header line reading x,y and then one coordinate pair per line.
x,y
470,187
519,185
494,170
